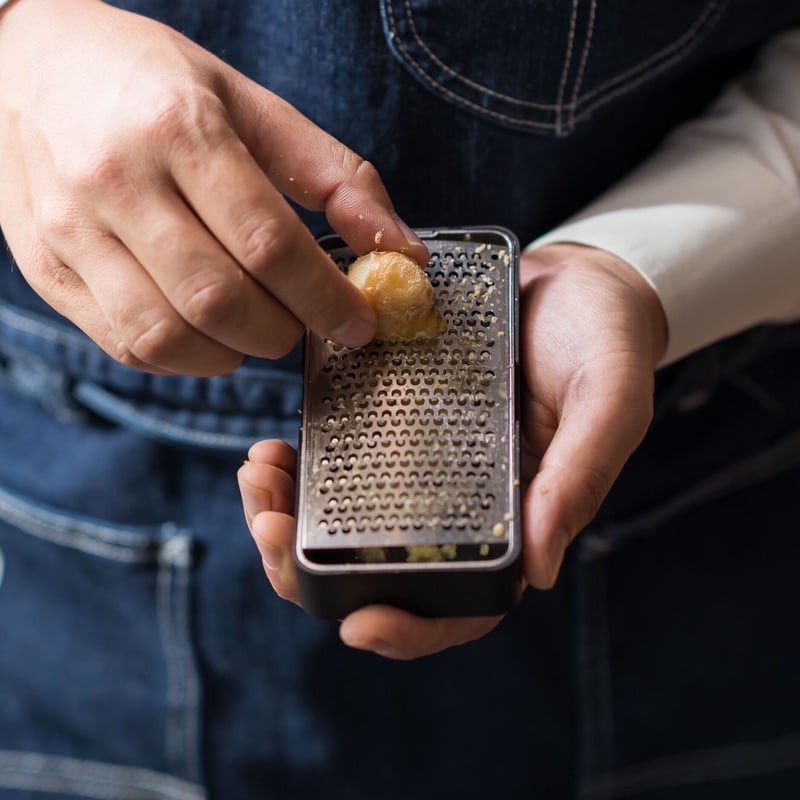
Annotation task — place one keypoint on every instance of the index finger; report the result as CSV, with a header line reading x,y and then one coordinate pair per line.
x,y
320,173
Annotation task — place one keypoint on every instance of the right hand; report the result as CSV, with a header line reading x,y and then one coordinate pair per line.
x,y
143,185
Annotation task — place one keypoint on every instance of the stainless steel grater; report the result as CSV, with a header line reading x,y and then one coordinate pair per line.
x,y
408,481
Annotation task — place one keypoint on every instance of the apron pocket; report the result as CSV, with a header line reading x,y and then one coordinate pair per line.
x,y
105,610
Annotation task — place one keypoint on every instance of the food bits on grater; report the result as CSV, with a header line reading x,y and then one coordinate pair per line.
x,y
400,294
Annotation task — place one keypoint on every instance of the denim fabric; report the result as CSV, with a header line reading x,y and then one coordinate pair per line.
x,y
142,654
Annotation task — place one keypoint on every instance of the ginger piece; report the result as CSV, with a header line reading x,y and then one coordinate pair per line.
x,y
400,294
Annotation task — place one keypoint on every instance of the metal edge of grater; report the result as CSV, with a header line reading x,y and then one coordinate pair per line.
x,y
408,479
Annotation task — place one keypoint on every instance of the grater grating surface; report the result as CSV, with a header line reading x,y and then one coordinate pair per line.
x,y
410,445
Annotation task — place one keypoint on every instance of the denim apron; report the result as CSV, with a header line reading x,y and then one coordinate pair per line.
x,y
143,655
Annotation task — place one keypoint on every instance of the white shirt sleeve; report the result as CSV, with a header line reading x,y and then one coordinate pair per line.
x,y
712,219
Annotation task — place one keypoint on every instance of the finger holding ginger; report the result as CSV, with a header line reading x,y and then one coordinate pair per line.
x,y
400,294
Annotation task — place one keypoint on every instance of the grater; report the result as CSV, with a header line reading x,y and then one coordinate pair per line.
x,y
408,477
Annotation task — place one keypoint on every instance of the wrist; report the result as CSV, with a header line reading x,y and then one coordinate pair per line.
x,y
560,255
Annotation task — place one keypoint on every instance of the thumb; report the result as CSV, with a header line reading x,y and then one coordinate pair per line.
x,y
594,439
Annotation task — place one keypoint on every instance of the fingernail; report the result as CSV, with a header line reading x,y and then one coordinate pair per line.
x,y
383,649
272,557
354,333
254,501
377,646
409,235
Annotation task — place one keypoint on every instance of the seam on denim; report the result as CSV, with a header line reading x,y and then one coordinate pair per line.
x,y
629,87
595,742
582,65
755,469
682,48
117,544
53,333
463,78
586,112
456,98
33,377
687,39
37,772
565,68
736,761
2,567
108,404
173,603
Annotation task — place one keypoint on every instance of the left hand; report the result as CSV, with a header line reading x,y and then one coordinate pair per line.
x,y
591,334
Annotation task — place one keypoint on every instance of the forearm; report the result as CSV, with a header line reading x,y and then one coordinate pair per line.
x,y
712,220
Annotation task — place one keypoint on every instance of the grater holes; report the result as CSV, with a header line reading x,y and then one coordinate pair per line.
x,y
377,523
407,429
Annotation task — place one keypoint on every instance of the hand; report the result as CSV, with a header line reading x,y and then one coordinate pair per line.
x,y
592,332
267,485
143,194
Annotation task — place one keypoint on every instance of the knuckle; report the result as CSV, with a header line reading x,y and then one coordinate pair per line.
x,y
118,349
264,244
147,341
352,171
102,170
184,118
350,163
365,172
210,303
47,273
120,352
57,222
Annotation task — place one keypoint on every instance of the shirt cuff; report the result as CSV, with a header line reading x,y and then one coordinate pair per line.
x,y
712,221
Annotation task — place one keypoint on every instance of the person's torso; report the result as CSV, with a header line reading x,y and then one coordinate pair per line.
x,y
512,113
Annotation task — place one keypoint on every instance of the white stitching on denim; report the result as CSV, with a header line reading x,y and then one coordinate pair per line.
x,y
437,87
699,766
181,727
582,66
52,333
463,78
63,336
565,69
688,41
59,775
172,602
629,87
105,541
2,567
106,403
